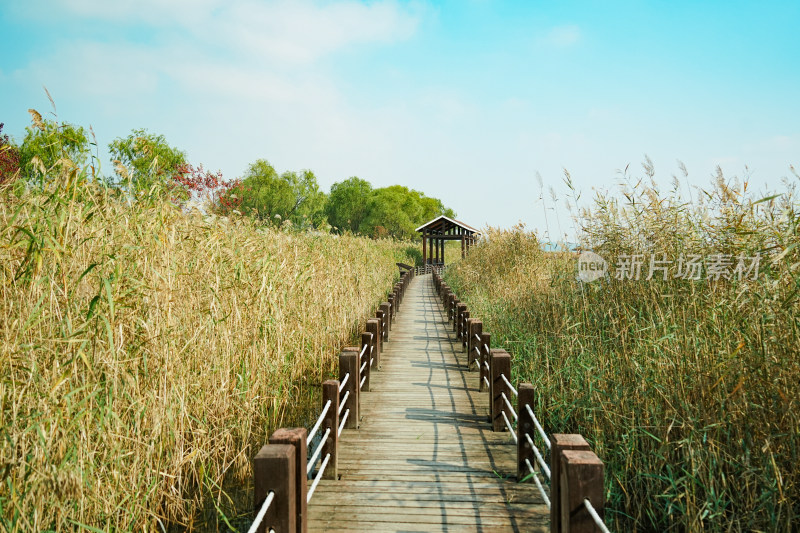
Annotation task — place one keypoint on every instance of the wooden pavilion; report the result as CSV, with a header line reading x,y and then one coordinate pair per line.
x,y
442,229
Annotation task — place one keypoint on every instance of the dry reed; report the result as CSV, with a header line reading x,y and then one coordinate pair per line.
x,y
688,390
147,352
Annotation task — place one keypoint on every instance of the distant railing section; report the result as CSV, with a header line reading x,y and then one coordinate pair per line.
x,y
281,468
429,269
574,475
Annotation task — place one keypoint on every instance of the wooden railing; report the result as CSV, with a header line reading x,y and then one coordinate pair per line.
x,y
577,496
281,468
429,268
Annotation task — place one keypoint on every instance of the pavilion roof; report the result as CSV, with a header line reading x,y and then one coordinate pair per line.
x,y
442,224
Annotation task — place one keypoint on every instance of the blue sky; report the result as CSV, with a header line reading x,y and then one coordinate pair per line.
x,y
464,100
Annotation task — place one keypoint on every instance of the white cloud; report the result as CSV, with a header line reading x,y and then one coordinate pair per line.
x,y
296,31
303,31
252,66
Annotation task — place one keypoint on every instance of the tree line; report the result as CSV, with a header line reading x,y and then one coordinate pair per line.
x,y
146,164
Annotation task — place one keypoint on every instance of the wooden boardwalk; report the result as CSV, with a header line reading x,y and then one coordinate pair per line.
x,y
425,457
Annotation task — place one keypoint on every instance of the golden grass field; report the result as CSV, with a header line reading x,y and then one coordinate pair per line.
x,y
689,391
147,353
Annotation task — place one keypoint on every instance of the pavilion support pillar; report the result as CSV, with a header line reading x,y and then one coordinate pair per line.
x,y
424,248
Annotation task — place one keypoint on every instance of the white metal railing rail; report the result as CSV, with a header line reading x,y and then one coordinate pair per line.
x,y
596,517
539,427
341,424
510,407
344,401
538,454
262,512
535,477
313,487
510,427
318,423
509,385
317,452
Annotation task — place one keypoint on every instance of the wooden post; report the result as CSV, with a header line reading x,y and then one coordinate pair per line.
x,y
560,442
465,344
474,346
451,306
360,362
486,345
460,307
463,332
374,327
392,306
424,249
366,343
463,248
274,470
348,364
380,315
387,310
330,391
297,437
500,365
525,425
581,478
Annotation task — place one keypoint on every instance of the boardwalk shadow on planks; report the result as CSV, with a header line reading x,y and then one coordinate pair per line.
x,y
446,417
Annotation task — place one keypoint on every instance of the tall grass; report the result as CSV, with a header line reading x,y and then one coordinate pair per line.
x,y
688,390
147,353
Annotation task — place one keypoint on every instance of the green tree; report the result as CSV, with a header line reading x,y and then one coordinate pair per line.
x,y
432,208
387,214
398,210
145,159
347,204
48,142
308,208
274,198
